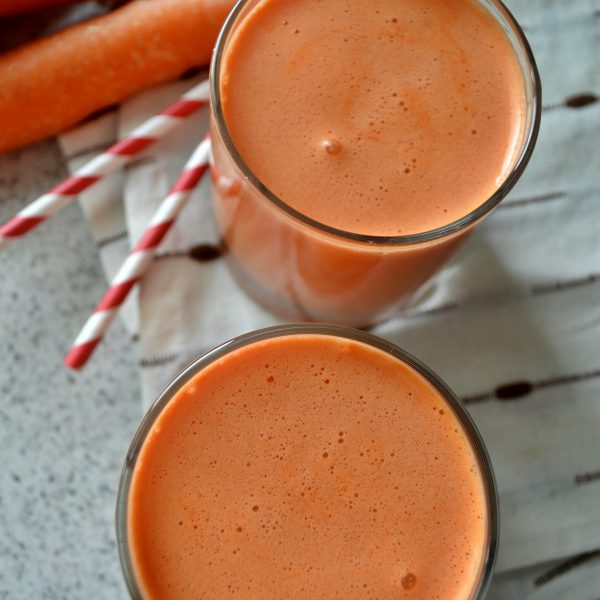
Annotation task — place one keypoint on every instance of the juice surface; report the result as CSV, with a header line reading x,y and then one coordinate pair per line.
x,y
307,466
377,117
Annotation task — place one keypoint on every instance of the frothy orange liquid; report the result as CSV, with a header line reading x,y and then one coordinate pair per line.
x,y
307,466
377,117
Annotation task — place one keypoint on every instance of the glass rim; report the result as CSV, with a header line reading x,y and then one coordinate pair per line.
x,y
340,331
529,141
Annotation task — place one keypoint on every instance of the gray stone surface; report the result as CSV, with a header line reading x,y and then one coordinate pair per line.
x,y
63,435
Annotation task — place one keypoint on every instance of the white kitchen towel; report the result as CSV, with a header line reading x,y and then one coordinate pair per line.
x,y
512,324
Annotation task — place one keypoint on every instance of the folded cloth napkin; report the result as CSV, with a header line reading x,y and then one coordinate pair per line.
x,y
512,324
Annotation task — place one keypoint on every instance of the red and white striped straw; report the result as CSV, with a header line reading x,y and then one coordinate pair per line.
x,y
139,259
116,156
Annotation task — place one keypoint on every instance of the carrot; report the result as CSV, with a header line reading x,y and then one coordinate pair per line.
x,y
12,7
52,83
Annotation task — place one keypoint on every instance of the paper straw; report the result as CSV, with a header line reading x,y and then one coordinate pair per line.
x,y
93,171
139,259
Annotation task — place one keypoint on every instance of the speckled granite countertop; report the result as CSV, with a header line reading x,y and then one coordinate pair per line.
x,y
63,435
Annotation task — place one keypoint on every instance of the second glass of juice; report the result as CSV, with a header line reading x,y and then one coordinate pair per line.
x,y
356,144
307,461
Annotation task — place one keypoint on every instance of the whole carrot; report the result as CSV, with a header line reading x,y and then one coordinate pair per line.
x,y
54,82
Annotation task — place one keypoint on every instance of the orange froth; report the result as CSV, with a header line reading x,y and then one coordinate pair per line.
x,y
422,102
307,466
